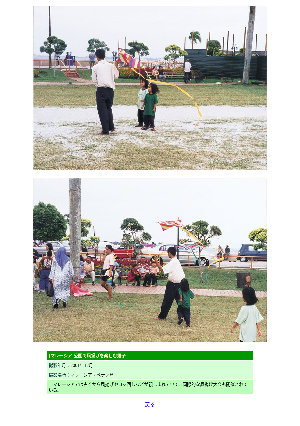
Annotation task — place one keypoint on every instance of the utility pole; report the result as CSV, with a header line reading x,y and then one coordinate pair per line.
x,y
49,36
75,224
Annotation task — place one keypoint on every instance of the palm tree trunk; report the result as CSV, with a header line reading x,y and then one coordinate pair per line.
x,y
249,40
75,224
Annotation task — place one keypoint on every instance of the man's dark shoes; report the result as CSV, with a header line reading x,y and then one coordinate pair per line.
x,y
180,321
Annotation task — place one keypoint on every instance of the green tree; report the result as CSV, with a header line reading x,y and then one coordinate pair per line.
x,y
139,48
146,237
85,227
194,37
259,235
204,233
213,47
95,43
174,52
133,234
53,45
48,223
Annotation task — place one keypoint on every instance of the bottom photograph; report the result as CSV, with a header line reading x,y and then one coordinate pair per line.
x,y
149,260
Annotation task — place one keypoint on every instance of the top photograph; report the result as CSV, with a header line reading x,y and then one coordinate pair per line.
x,y
150,88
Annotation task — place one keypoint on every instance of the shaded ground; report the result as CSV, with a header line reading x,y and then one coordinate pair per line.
x,y
225,137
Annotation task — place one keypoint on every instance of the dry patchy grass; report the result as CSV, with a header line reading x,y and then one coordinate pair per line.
x,y
94,319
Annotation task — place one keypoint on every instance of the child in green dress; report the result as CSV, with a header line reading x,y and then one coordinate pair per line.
x,y
150,103
183,310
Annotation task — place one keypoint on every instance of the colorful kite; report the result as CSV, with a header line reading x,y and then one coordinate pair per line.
x,y
169,223
127,59
133,63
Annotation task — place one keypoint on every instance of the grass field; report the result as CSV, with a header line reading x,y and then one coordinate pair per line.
x,y
93,318
84,95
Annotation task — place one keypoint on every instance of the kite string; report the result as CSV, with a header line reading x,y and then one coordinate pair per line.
x,y
170,84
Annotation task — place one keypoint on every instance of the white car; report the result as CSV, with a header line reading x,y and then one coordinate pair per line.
x,y
187,256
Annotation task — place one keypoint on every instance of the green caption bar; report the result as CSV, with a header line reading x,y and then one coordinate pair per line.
x,y
150,355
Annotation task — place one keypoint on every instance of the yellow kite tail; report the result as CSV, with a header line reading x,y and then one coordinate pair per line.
x,y
170,84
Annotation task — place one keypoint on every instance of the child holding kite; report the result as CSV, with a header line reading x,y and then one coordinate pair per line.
x,y
141,96
150,103
249,317
183,310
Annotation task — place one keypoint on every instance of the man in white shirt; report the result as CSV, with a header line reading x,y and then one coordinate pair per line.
x,y
175,275
187,71
104,75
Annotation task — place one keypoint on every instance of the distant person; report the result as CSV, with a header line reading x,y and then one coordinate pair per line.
x,y
183,310
141,96
49,247
161,75
35,269
89,269
155,72
104,75
220,252
175,275
61,275
92,58
249,317
82,274
35,252
143,270
134,276
227,252
187,71
57,57
46,263
66,59
151,277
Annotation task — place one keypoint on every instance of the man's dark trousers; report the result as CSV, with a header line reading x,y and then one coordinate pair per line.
x,y
105,99
171,293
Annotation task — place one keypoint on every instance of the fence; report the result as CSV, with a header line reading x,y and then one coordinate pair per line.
x,y
227,66
231,258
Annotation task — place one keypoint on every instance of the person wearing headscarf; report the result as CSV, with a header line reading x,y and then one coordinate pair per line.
x,y
61,275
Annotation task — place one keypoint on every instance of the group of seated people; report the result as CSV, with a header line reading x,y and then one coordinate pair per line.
x,y
158,73
143,271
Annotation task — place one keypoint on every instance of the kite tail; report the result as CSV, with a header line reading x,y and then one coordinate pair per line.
x,y
169,84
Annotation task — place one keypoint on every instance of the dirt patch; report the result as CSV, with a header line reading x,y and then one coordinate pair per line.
x,y
224,138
